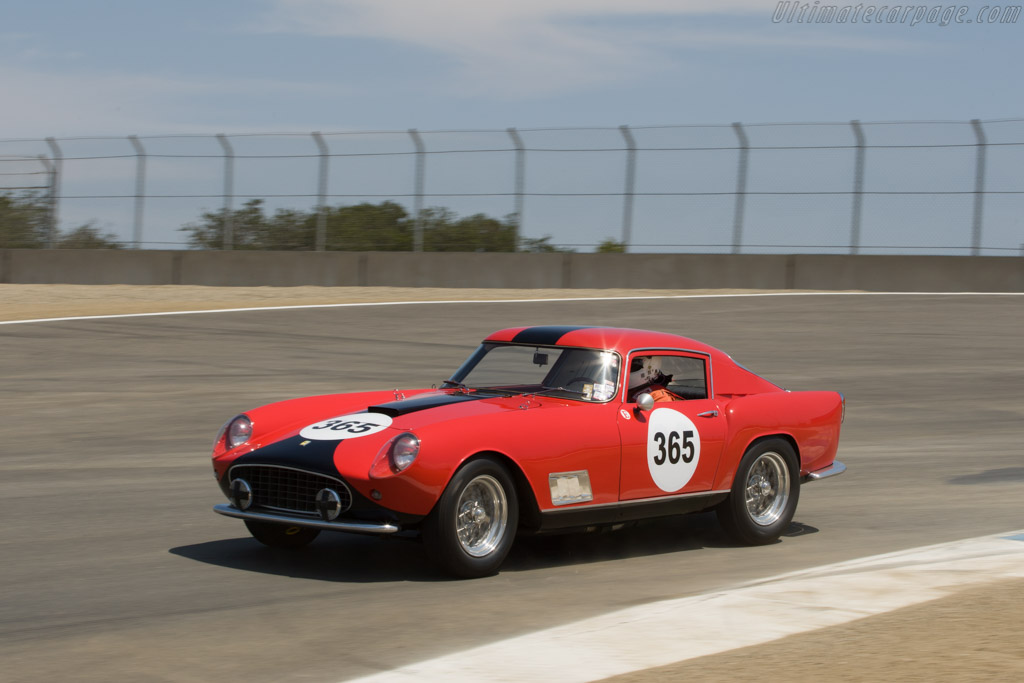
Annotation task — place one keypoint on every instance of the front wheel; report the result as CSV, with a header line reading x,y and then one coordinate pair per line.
x,y
281,535
471,529
764,493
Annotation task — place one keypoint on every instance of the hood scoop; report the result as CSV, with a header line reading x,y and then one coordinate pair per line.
x,y
422,402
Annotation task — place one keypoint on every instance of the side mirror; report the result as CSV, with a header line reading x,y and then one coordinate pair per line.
x,y
645,402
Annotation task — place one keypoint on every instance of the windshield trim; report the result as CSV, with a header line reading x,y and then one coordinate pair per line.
x,y
480,351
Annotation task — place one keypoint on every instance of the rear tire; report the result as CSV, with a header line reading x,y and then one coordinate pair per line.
x,y
471,529
281,535
764,493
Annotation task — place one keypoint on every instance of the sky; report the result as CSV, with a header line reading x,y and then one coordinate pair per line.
x,y
119,67
113,67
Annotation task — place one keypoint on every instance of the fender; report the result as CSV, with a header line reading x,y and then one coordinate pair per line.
x,y
815,436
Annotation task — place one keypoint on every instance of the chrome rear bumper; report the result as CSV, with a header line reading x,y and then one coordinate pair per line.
x,y
835,469
352,527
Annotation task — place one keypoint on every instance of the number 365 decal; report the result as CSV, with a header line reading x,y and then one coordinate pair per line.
x,y
346,427
673,449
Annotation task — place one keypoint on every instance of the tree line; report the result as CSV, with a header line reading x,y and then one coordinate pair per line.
x,y
387,226
25,224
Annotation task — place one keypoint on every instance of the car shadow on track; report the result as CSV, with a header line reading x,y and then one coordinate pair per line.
x,y
349,558
635,539
996,476
334,557
645,538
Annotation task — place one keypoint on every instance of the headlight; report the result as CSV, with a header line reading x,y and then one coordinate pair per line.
x,y
404,450
395,456
237,431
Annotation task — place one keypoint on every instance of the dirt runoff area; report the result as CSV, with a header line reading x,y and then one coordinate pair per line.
x,y
33,302
973,635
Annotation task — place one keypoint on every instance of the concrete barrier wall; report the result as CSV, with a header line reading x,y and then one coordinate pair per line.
x,y
592,271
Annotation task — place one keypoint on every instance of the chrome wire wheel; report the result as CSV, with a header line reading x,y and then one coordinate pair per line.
x,y
767,488
481,516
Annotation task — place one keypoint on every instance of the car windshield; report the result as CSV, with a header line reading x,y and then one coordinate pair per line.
x,y
581,374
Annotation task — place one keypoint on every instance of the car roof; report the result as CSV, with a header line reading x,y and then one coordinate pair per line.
x,y
730,378
619,339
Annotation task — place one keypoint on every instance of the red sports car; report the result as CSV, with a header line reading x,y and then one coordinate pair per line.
x,y
542,428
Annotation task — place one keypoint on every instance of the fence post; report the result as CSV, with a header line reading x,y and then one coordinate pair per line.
x,y
229,190
979,187
321,216
47,168
421,168
520,184
58,169
858,187
741,188
140,190
51,178
627,203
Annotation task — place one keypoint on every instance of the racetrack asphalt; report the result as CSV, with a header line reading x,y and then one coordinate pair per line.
x,y
114,565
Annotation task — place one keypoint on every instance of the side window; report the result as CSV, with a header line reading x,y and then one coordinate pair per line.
x,y
687,376
667,378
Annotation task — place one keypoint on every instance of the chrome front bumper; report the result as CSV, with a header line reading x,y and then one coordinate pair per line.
x,y
351,527
833,470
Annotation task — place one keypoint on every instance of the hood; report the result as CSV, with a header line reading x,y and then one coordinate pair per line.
x,y
421,402
340,430
432,408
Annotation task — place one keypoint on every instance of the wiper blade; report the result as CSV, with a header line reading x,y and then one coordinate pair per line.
x,y
550,389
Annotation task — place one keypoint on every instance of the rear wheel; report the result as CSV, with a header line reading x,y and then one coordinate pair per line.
x,y
471,529
764,493
281,535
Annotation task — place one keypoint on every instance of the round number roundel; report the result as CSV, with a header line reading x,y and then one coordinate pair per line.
x,y
346,427
673,449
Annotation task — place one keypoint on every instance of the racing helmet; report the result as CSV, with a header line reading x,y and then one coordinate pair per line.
x,y
644,370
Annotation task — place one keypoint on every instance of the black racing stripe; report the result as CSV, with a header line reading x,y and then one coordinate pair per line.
x,y
315,456
424,402
546,334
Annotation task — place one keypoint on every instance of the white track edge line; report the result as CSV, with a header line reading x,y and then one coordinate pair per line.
x,y
647,636
492,301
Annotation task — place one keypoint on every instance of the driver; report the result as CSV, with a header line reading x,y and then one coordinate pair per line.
x,y
645,375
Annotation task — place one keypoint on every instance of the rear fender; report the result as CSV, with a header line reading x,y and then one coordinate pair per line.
x,y
808,420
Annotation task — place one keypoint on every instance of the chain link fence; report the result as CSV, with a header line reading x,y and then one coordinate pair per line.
x,y
907,187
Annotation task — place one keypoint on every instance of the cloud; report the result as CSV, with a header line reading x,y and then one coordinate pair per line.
x,y
39,101
538,47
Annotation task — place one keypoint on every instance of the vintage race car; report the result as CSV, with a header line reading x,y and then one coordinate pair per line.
x,y
541,429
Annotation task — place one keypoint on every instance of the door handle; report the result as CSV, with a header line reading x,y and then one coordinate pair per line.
x,y
708,413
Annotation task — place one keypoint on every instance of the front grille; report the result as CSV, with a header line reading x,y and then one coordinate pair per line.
x,y
289,490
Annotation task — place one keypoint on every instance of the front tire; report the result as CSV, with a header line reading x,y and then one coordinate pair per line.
x,y
281,535
764,493
471,529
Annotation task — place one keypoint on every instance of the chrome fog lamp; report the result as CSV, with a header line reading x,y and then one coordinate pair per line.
x,y
241,494
328,504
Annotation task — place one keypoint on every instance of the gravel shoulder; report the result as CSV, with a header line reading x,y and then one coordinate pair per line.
x,y
973,635
29,302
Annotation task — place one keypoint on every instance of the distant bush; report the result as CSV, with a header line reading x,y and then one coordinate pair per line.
x,y
611,246
363,227
25,224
